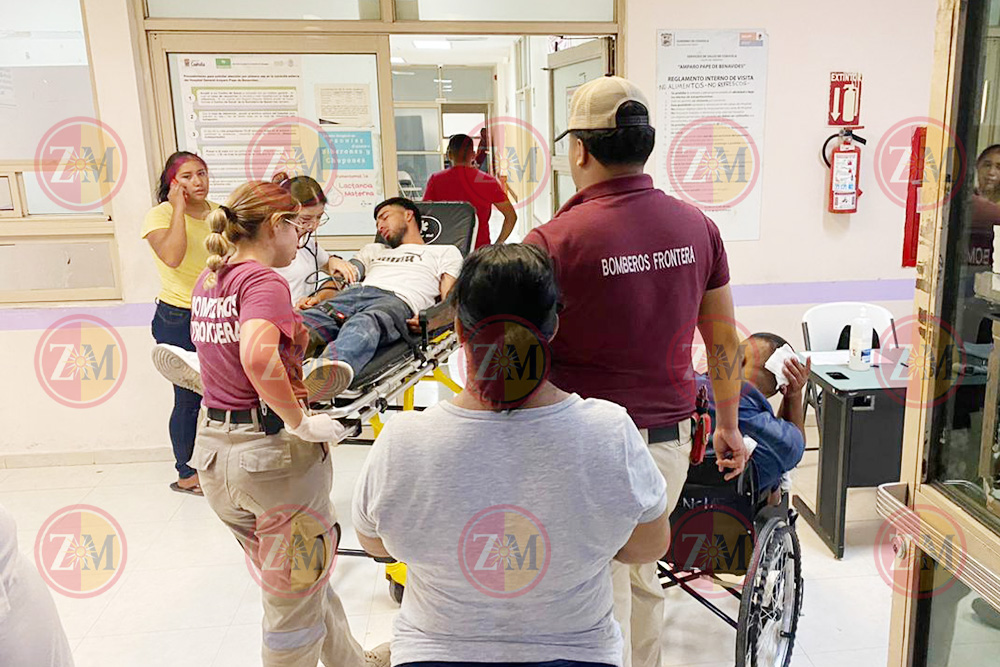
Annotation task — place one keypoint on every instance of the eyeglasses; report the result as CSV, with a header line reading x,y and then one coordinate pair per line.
x,y
303,231
311,221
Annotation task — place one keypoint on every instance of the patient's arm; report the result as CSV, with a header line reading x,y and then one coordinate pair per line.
x,y
440,316
373,546
792,405
327,291
716,323
447,282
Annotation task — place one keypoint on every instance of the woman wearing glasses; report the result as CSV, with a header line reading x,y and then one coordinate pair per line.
x,y
261,456
309,273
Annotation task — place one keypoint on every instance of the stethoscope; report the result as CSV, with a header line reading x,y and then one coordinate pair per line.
x,y
317,277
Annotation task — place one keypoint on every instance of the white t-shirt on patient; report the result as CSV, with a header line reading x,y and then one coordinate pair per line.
x,y
435,485
307,271
412,271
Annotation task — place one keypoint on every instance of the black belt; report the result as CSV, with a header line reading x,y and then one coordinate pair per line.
x,y
664,433
268,421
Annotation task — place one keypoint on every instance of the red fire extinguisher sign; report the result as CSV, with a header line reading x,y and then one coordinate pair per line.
x,y
845,99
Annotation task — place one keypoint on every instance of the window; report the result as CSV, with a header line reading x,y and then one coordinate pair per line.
x,y
524,10
308,10
60,167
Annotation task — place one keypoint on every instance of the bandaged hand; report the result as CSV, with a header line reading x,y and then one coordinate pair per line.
x,y
318,428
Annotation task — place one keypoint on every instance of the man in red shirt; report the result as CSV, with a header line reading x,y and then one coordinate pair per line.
x,y
638,271
463,181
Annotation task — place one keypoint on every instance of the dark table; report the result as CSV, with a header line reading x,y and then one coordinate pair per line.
x,y
861,442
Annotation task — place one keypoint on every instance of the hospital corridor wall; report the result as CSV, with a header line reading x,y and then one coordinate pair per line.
x,y
804,255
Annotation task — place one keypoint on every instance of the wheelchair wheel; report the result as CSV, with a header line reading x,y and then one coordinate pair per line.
x,y
772,599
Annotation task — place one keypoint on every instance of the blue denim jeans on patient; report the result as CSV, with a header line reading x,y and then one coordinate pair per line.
x,y
172,325
371,323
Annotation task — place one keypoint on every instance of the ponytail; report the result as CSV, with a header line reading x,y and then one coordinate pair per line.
x,y
249,207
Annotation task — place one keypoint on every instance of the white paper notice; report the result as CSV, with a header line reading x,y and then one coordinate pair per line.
x,y
7,88
227,101
347,104
710,109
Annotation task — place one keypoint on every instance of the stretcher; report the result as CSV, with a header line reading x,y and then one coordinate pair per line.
x,y
396,369
393,373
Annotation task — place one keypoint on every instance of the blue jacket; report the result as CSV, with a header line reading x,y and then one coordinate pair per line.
x,y
780,443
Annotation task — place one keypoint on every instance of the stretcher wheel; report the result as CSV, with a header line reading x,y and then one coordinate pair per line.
x,y
772,598
396,591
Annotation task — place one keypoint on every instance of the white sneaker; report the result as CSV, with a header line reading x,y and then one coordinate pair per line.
x,y
325,379
178,365
378,656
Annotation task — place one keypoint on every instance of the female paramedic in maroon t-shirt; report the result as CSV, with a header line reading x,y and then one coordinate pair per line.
x,y
262,458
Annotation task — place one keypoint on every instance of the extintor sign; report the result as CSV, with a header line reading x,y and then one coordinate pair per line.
x,y
845,99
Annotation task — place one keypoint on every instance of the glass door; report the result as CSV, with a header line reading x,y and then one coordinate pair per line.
x,y
944,517
255,106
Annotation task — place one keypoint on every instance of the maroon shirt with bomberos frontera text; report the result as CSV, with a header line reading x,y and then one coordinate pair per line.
x,y
220,304
633,264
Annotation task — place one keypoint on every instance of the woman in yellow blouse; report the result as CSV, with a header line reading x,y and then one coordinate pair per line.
x,y
176,231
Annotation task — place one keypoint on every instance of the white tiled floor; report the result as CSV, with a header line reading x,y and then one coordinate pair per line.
x,y
186,596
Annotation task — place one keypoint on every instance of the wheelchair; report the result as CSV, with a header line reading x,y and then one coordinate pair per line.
x,y
726,535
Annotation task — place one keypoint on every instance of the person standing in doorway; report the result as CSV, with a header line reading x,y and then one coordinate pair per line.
x,y
463,181
176,231
639,270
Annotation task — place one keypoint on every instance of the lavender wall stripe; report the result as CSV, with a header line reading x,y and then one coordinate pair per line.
x,y
118,315
773,294
785,294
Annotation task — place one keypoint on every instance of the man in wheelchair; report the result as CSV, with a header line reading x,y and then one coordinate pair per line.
x,y
780,439
399,278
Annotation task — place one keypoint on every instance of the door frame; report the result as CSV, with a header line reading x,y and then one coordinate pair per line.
x,y
603,48
981,554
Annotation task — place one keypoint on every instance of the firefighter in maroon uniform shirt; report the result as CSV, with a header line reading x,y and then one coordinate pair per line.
x,y
639,270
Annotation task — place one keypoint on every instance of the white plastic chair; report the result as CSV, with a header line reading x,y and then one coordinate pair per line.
x,y
823,324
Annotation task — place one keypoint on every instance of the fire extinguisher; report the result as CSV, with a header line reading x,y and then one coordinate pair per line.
x,y
845,167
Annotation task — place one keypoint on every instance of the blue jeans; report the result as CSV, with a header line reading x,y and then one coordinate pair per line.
x,y
550,663
372,315
172,325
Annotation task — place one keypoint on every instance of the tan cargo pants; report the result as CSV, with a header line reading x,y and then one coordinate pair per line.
x,y
638,595
263,486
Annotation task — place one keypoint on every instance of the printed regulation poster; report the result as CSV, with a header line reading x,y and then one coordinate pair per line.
x,y
710,101
226,100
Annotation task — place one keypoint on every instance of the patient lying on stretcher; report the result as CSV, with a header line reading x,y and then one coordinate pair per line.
x,y
399,279
780,439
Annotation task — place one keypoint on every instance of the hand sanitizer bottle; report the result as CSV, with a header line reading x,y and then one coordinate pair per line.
x,y
861,341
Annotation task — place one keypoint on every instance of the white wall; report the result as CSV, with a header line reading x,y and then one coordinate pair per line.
x,y
891,43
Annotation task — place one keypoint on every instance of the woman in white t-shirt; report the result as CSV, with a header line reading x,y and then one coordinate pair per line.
x,y
509,502
310,271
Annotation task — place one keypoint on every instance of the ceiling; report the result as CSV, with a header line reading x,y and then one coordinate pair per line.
x,y
465,49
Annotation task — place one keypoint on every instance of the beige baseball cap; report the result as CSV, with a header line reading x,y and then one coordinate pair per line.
x,y
595,105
